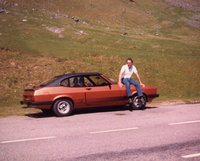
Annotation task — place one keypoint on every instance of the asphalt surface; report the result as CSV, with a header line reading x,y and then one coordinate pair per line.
x,y
107,134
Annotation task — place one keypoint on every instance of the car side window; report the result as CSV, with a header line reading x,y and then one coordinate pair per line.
x,y
65,83
99,81
87,82
73,82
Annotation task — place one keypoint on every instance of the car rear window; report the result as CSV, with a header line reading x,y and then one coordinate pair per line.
x,y
47,82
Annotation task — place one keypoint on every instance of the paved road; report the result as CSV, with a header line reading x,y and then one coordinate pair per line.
x,y
157,133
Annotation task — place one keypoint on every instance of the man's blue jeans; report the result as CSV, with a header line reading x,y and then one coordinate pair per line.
x,y
128,82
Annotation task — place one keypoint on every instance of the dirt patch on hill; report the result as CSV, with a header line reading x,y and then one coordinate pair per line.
x,y
191,5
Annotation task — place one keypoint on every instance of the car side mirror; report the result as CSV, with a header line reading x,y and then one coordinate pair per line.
x,y
109,85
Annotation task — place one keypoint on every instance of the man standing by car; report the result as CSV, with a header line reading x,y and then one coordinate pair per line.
x,y
125,78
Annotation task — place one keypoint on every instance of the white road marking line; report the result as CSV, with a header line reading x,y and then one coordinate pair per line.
x,y
30,139
186,122
115,130
191,155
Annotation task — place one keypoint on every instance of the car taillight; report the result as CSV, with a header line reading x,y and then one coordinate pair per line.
x,y
28,98
28,95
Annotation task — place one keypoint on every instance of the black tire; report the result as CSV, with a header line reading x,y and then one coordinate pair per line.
x,y
63,107
139,103
47,111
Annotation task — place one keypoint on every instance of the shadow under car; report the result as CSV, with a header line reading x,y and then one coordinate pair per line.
x,y
87,111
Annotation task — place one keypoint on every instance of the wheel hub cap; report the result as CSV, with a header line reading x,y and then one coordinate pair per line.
x,y
63,107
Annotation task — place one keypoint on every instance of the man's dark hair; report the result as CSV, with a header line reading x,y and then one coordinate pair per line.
x,y
130,59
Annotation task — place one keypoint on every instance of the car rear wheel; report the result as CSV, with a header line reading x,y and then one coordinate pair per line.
x,y
63,107
139,103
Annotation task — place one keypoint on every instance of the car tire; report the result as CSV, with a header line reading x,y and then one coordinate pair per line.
x,y
139,103
63,107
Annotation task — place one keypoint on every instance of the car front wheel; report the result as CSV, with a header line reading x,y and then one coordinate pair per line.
x,y
139,103
63,107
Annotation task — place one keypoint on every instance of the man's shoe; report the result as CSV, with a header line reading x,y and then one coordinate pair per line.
x,y
140,99
140,102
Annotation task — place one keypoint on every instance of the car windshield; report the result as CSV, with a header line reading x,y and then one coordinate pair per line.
x,y
47,82
98,81
111,80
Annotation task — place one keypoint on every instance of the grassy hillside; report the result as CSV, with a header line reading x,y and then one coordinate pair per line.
x,y
99,28
40,39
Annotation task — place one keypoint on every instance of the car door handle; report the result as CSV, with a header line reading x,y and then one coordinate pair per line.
x,y
88,89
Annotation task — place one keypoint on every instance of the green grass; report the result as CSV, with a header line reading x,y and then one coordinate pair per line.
x,y
102,33
170,60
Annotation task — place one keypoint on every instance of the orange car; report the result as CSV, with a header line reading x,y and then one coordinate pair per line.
x,y
64,93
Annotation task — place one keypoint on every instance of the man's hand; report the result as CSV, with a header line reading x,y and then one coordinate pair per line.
x,y
138,77
142,84
120,84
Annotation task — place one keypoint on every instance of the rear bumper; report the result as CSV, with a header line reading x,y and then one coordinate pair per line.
x,y
33,103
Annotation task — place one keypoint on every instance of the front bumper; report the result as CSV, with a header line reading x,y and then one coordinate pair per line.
x,y
153,95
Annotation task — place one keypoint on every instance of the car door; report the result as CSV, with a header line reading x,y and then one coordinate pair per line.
x,y
100,92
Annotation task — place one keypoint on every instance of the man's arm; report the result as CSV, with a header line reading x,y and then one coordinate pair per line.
x,y
138,77
120,80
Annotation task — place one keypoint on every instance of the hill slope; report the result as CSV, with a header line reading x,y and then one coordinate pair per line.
x,y
93,26
163,38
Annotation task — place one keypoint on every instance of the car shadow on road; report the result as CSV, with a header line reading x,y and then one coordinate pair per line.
x,y
106,109
100,109
40,115
90,111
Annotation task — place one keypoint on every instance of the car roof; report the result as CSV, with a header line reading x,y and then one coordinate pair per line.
x,y
77,74
59,78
